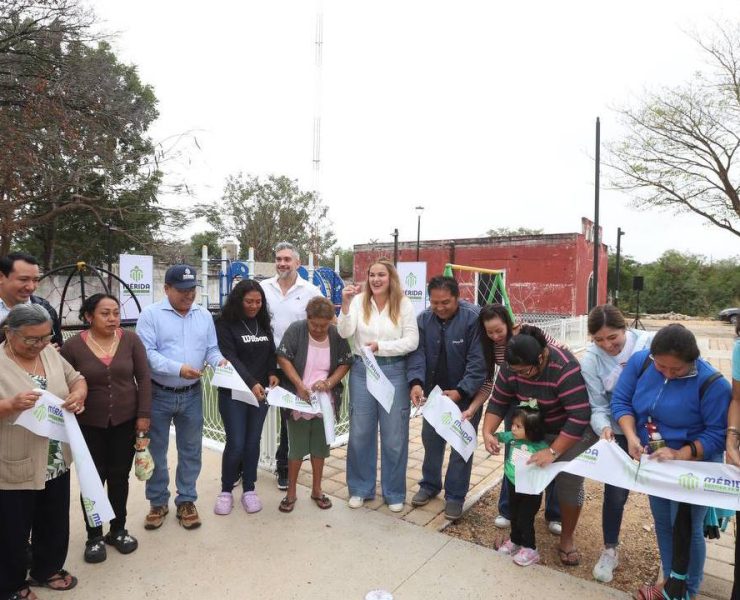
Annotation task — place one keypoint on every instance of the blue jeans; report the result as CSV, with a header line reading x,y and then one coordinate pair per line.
x,y
185,410
457,479
612,509
365,414
552,506
243,426
664,513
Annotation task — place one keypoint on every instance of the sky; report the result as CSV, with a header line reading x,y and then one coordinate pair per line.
x,y
481,112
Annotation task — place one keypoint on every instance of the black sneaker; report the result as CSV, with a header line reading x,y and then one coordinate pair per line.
x,y
95,550
282,480
453,510
121,541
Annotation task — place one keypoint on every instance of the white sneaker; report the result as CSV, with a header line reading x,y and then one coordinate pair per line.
x,y
502,522
555,527
356,502
604,569
398,507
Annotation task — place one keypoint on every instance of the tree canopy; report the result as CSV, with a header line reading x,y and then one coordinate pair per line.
x,y
262,212
511,231
679,150
75,157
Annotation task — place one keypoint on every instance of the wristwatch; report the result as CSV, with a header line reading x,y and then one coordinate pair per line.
x,y
553,452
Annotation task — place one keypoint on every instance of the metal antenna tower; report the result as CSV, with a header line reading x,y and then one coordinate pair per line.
x,y
318,59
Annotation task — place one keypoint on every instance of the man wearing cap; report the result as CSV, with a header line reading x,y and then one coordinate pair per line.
x,y
287,295
179,337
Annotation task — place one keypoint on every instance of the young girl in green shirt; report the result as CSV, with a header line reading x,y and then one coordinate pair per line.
x,y
527,435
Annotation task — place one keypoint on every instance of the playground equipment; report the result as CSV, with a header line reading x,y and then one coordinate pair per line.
x,y
480,286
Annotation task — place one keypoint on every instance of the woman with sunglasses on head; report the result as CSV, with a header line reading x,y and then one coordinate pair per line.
x,y
673,403
601,365
552,376
34,470
118,404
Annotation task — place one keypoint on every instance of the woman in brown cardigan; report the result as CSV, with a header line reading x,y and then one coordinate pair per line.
x,y
114,364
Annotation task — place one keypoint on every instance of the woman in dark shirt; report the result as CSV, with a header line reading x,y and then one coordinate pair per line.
x,y
114,364
246,341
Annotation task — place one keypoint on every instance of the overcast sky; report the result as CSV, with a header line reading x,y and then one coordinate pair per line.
x,y
482,112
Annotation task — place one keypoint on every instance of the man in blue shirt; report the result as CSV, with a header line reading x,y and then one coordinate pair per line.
x,y
179,337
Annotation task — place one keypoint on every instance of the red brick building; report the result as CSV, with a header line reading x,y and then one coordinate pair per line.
x,y
548,273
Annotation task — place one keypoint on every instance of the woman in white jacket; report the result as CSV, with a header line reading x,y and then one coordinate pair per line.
x,y
382,319
613,345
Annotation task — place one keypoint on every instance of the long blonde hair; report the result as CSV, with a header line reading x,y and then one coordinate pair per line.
x,y
395,293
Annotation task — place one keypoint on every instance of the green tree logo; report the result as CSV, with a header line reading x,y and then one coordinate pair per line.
x,y
40,413
136,274
410,280
446,418
688,481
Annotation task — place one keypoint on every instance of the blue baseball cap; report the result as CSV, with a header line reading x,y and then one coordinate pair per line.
x,y
181,277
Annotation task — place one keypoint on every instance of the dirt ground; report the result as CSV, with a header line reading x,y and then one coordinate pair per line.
x,y
638,553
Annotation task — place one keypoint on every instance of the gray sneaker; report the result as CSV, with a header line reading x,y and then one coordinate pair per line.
x,y
453,510
422,497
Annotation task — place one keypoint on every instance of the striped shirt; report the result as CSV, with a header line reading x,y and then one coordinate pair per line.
x,y
560,391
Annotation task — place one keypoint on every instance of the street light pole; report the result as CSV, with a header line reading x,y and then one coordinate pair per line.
x,y
419,210
620,233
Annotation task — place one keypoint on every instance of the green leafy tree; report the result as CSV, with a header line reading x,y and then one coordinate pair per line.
x,y
346,261
262,212
681,146
205,238
510,231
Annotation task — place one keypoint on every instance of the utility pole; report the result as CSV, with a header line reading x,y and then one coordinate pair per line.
x,y
620,233
595,294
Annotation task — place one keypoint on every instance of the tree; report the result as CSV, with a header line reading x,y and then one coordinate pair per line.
x,y
261,213
205,238
74,154
346,261
510,231
679,152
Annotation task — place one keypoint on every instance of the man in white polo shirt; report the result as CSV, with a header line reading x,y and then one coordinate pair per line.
x,y
287,296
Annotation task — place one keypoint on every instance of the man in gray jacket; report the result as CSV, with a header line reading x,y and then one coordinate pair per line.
x,y
449,355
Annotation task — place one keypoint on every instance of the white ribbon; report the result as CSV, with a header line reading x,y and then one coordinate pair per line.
x,y
278,396
327,412
377,383
226,377
444,415
693,482
48,419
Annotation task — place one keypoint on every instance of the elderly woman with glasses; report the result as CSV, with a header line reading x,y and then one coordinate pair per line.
x,y
672,403
34,471
535,369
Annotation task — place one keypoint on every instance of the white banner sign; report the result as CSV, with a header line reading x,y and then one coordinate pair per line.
x,y
137,271
47,419
278,396
444,415
227,377
413,277
693,482
327,412
376,382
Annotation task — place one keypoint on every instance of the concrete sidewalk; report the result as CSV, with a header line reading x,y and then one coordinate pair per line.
x,y
310,553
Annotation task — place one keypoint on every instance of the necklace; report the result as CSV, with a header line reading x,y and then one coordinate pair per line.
x,y
33,371
111,349
249,331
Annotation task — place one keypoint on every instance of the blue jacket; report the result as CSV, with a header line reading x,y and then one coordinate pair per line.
x,y
674,404
465,362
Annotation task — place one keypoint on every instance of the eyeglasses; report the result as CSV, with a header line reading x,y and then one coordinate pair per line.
x,y
35,341
525,372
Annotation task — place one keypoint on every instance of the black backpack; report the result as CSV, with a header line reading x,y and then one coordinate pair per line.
x,y
704,386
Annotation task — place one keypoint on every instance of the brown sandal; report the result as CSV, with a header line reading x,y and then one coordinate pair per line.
x,y
287,505
323,501
570,558
62,577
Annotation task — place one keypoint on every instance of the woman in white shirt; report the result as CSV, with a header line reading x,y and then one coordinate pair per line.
x,y
383,319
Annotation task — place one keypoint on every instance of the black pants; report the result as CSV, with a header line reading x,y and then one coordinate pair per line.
x,y
281,455
46,513
523,508
112,451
